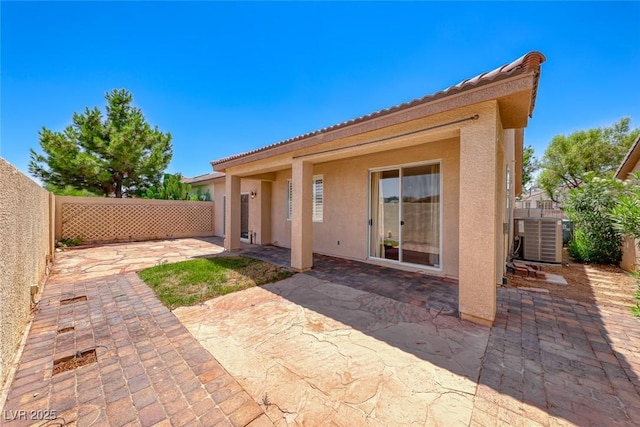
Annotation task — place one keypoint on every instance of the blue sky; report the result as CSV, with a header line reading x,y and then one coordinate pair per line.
x,y
228,77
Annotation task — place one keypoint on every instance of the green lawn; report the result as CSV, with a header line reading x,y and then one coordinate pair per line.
x,y
197,280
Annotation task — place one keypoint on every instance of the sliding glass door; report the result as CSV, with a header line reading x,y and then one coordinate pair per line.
x,y
385,210
405,214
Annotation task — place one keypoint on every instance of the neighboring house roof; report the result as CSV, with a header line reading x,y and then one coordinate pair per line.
x,y
630,160
535,195
527,63
201,179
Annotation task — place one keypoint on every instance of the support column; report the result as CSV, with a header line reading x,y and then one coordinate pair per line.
x,y
301,222
478,210
232,213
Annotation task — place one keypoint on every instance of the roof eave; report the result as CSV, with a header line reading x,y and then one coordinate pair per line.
x,y
630,159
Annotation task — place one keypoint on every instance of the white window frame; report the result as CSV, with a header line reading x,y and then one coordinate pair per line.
x,y
317,208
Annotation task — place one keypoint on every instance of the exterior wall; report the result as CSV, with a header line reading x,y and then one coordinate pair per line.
x,y
102,220
344,229
630,252
280,226
26,246
506,159
257,221
218,199
255,209
630,255
264,226
346,200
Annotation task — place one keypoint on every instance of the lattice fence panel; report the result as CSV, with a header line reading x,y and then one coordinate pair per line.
x,y
126,222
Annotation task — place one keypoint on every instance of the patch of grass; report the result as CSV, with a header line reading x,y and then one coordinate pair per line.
x,y
197,280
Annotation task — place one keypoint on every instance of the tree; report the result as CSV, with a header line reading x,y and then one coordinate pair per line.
x,y
172,188
599,150
117,155
529,166
69,191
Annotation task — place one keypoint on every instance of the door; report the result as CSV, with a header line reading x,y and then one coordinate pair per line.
x,y
244,217
421,215
385,215
405,215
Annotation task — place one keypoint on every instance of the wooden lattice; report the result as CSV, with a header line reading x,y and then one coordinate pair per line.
x,y
127,222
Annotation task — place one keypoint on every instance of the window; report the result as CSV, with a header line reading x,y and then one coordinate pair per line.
x,y
289,200
317,201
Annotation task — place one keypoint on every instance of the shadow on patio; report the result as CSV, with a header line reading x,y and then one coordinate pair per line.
x,y
547,359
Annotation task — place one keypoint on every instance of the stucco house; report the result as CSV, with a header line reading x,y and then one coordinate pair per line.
x,y
630,164
203,183
427,185
536,198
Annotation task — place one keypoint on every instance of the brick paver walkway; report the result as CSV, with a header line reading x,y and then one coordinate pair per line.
x,y
150,370
554,361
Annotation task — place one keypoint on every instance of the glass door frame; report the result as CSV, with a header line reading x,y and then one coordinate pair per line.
x,y
400,168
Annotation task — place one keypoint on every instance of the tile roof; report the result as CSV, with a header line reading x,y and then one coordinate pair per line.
x,y
527,63
202,178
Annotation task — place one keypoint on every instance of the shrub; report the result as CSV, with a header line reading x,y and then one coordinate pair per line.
x,y
596,239
589,247
626,219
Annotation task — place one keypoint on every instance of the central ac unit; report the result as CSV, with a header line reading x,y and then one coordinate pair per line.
x,y
541,239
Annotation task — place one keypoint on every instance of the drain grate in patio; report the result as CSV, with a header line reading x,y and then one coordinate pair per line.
x,y
72,300
72,362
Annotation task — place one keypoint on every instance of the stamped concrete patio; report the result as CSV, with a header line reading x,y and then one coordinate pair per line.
x,y
348,343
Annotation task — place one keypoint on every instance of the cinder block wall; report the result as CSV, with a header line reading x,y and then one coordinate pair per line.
x,y
25,244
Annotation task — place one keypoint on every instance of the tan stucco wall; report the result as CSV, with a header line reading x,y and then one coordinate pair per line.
x,y
630,254
25,242
218,198
260,202
280,227
509,142
346,201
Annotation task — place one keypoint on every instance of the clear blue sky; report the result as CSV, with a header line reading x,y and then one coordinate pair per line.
x,y
225,78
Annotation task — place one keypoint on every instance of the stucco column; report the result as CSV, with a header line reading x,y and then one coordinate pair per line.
x,y
301,221
478,210
232,213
